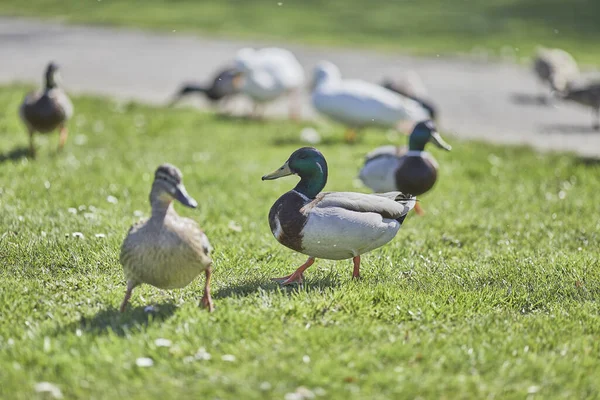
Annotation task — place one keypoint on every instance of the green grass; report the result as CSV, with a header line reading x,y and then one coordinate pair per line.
x,y
492,294
424,26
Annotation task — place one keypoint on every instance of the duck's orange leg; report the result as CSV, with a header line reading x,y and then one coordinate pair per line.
x,y
356,272
418,209
350,135
64,133
297,276
206,299
130,286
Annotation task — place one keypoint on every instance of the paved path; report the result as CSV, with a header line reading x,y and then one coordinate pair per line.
x,y
476,99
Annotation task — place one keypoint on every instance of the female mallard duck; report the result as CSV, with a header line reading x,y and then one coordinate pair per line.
x,y
358,104
270,73
331,225
410,171
166,250
47,110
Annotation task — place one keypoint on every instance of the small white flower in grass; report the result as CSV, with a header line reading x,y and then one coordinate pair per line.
x,y
72,210
234,226
112,200
78,235
162,342
50,388
533,389
228,357
80,140
202,354
100,235
144,362
310,136
47,185
265,386
305,359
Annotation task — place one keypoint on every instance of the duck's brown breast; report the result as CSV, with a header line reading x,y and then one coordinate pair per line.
x,y
415,175
287,221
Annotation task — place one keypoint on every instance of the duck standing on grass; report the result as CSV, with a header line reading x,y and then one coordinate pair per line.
x,y
331,225
166,251
411,170
268,74
47,110
358,104
223,87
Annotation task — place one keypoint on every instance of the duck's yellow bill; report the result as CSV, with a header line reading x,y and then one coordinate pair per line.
x,y
279,173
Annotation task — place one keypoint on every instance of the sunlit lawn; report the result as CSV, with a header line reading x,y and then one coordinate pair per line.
x,y
492,294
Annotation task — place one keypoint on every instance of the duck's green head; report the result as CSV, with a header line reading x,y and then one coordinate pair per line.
x,y
52,76
168,186
423,133
308,163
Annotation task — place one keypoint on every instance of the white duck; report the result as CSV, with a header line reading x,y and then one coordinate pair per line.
x,y
270,73
358,104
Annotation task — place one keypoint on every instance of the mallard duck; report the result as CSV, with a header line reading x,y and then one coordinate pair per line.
x,y
47,110
331,225
586,94
166,251
224,85
411,86
270,73
411,170
554,68
358,104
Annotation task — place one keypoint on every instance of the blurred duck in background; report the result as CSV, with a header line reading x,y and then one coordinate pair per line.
x,y
224,86
358,104
47,110
268,74
586,94
411,85
554,68
409,170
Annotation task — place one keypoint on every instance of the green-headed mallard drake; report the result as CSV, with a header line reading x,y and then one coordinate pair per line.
x,y
411,170
331,225
47,110
166,251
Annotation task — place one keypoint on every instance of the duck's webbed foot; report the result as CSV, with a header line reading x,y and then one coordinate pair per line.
x,y
297,276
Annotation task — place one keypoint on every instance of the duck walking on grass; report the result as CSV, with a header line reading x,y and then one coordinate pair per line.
x,y
47,110
166,251
411,170
331,225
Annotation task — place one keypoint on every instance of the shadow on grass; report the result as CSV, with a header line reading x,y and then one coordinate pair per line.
x,y
588,161
132,320
248,288
15,154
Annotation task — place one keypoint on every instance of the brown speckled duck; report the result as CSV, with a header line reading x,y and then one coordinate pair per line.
x,y
411,170
47,110
331,225
166,251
